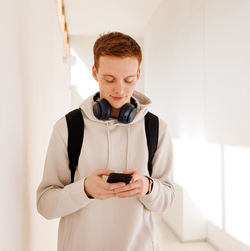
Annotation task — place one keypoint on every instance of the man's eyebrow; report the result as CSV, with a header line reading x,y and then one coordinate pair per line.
x,y
131,76
108,75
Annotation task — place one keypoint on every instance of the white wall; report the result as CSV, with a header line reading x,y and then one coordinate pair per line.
x,y
48,99
34,94
13,188
197,74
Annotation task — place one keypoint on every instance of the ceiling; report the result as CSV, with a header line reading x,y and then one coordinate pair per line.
x,y
87,18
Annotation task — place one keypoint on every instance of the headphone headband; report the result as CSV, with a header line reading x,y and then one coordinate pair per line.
x,y
132,100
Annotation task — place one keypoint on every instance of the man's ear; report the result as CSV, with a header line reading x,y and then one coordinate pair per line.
x,y
138,73
94,73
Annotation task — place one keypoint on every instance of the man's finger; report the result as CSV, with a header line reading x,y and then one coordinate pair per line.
x,y
105,171
109,192
112,186
135,177
129,171
130,193
127,187
134,173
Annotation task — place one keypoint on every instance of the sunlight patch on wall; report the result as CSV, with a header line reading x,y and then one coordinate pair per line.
x,y
237,192
82,78
197,168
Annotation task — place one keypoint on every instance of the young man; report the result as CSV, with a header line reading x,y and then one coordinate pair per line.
x,y
97,215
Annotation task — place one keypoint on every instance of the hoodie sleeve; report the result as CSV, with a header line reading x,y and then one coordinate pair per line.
x,y
163,193
56,196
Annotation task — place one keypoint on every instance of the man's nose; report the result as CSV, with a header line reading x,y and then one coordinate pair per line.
x,y
119,87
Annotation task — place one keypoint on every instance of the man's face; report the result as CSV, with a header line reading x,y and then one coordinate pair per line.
x,y
117,79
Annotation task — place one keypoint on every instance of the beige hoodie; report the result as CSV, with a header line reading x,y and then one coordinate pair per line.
x,y
116,224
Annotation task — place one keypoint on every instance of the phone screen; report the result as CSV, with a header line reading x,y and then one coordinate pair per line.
x,y
119,177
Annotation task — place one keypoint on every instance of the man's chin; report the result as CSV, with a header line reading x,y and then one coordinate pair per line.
x,y
118,105
115,106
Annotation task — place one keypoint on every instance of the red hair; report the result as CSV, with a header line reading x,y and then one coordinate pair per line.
x,y
116,44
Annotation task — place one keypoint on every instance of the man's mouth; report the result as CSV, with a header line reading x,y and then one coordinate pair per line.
x,y
117,98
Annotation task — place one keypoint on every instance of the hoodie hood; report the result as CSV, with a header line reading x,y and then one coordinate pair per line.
x,y
143,104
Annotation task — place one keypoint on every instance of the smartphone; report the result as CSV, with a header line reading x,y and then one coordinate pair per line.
x,y
119,177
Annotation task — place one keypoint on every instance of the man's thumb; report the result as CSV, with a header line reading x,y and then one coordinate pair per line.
x,y
105,171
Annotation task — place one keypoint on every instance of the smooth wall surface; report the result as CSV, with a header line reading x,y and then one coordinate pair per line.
x,y
197,60
198,53
34,94
14,218
48,100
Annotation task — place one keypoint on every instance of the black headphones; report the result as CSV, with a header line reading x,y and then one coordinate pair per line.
x,y
101,110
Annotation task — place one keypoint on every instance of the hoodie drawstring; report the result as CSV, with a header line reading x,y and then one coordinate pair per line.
x,y
109,146
128,146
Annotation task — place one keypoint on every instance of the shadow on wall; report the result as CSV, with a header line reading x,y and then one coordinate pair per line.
x,y
210,184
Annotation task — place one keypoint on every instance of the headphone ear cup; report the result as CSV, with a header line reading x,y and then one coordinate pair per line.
x,y
127,113
101,109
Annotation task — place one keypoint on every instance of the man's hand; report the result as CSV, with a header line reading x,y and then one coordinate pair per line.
x,y
136,188
96,187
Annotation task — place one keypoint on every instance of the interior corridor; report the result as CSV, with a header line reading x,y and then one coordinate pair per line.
x,y
168,241
195,69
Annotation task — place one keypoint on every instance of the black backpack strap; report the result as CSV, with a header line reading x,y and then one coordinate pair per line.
x,y
152,133
75,125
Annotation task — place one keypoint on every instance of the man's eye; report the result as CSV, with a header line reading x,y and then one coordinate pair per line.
x,y
129,81
109,81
